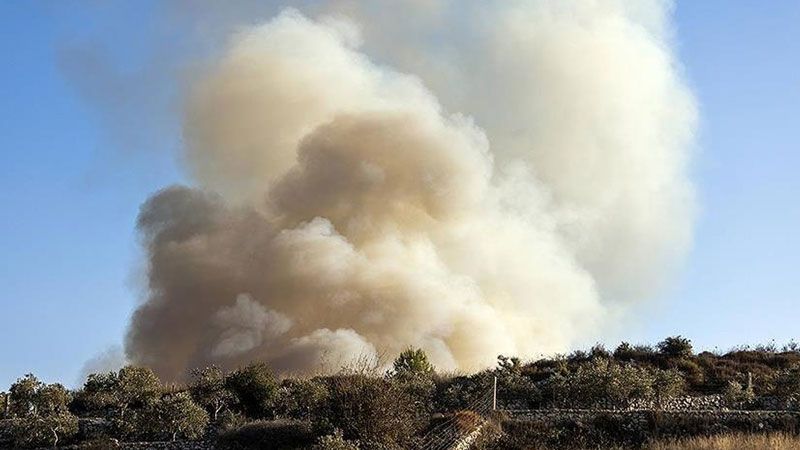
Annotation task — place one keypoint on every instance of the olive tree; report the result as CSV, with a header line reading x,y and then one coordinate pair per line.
x,y
175,415
137,387
3,405
22,396
40,413
667,384
208,390
255,388
100,392
602,380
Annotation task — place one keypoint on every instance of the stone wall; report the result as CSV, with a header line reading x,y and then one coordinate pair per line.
x,y
178,445
644,416
682,403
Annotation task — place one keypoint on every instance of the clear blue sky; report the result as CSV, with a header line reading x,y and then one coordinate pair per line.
x,y
71,183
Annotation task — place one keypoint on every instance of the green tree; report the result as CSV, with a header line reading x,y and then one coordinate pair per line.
x,y
255,388
602,380
667,384
39,430
100,391
40,412
137,387
3,405
175,415
675,346
412,361
208,390
121,396
22,396
735,395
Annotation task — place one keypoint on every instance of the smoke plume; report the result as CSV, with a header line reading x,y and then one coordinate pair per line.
x,y
498,177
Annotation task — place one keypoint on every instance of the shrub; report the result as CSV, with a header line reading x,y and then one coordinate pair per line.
x,y
229,420
461,392
420,389
334,441
301,399
515,390
602,380
787,385
273,434
371,409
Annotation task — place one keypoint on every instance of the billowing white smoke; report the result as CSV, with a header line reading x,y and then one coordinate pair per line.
x,y
342,210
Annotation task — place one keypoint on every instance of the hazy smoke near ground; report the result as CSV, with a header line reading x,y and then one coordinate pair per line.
x,y
472,178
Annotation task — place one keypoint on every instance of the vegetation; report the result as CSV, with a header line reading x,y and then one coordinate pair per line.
x,y
39,413
412,362
402,407
738,441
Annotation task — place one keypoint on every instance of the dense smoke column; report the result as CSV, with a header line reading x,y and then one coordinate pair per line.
x,y
340,211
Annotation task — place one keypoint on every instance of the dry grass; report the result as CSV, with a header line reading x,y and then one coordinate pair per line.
x,y
774,441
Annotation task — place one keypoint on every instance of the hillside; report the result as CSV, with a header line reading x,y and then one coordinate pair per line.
x,y
631,397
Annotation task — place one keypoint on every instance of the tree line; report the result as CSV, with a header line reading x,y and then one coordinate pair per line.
x,y
363,407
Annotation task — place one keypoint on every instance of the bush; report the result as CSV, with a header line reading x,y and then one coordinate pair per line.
x,y
461,392
787,385
229,420
600,381
372,409
334,441
273,434
301,399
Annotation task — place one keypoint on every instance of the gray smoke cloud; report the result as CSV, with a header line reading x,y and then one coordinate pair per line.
x,y
475,179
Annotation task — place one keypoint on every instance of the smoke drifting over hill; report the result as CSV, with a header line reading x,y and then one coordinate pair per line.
x,y
472,178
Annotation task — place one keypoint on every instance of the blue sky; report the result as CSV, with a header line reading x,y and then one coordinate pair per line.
x,y
71,182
